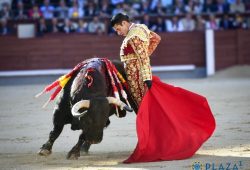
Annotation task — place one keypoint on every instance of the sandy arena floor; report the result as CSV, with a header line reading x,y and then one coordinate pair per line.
x,y
25,126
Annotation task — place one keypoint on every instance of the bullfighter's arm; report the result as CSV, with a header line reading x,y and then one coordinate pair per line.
x,y
141,50
153,42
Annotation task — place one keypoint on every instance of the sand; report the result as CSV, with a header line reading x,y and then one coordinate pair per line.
x,y
25,126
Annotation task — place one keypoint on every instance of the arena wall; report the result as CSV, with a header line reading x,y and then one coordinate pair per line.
x,y
54,51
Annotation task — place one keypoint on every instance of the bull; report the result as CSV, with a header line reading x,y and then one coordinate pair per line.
x,y
86,102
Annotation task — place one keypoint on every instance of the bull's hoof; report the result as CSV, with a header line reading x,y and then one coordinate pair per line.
x,y
73,156
85,147
44,152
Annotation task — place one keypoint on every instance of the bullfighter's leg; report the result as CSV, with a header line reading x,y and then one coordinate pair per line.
x,y
74,153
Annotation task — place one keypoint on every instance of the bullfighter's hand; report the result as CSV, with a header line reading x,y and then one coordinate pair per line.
x,y
148,83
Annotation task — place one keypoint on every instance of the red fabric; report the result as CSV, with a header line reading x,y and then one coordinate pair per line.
x,y
172,123
128,50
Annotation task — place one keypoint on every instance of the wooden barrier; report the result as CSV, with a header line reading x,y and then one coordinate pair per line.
x,y
231,48
64,51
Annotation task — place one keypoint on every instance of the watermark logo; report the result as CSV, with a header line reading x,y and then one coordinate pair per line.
x,y
197,166
218,166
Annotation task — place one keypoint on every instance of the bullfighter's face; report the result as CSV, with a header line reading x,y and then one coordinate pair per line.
x,y
122,29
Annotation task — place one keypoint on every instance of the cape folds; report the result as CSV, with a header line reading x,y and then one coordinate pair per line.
x,y
172,123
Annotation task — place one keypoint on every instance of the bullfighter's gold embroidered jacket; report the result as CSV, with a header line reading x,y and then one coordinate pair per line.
x,y
135,50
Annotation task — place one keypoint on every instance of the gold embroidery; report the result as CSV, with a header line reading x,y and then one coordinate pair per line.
x,y
137,64
135,81
139,30
153,43
128,57
140,49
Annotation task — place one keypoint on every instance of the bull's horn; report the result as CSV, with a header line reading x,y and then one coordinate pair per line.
x,y
81,104
115,101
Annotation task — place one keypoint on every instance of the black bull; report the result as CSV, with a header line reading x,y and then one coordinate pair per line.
x,y
96,113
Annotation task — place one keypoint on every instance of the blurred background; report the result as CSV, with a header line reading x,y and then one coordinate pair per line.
x,y
58,34
42,39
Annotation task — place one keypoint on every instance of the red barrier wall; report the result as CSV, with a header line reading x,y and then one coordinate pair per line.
x,y
65,51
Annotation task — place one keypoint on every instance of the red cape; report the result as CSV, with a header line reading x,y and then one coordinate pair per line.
x,y
172,123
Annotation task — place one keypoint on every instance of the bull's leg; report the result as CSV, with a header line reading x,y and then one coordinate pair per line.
x,y
59,120
46,149
74,153
85,147
61,117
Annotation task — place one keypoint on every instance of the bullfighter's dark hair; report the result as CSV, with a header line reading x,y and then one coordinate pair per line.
x,y
118,18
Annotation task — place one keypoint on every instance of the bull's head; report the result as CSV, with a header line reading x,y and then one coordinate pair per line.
x,y
94,114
